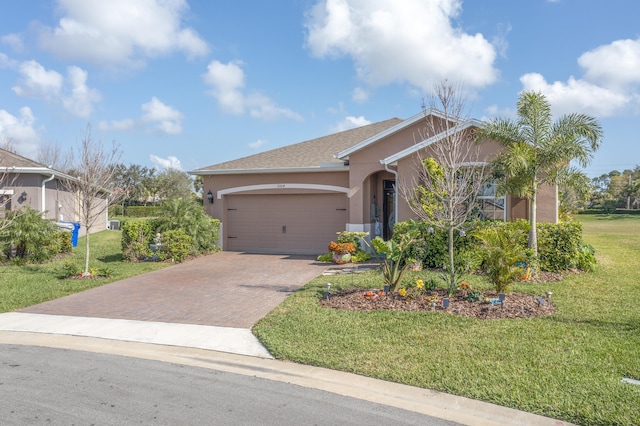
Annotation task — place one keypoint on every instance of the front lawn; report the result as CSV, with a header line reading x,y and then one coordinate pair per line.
x,y
568,365
22,286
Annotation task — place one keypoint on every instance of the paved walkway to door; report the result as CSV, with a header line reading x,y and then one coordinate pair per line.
x,y
226,289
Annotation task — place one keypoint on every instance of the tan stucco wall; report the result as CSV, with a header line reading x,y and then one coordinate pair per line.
x,y
60,204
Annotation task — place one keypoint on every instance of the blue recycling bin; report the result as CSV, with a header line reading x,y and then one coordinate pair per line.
x,y
74,234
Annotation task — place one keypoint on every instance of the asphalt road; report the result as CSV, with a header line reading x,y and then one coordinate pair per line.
x,y
62,387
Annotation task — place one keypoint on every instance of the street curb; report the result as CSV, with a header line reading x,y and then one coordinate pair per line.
x,y
449,407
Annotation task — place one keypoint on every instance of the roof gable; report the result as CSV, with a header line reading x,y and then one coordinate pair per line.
x,y
462,126
388,132
11,159
314,154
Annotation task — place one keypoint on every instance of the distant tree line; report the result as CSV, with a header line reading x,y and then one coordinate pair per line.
x,y
140,186
616,190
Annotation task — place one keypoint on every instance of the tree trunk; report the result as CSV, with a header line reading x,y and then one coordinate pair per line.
x,y
452,271
86,254
533,233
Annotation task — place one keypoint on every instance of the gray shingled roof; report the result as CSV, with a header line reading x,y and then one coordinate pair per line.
x,y
309,154
9,159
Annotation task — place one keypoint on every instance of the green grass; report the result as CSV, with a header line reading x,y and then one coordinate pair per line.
x,y
22,286
567,366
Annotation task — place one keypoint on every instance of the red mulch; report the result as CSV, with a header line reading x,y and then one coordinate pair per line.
x,y
516,305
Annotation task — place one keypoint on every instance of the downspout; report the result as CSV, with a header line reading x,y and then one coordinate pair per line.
x,y
44,197
395,193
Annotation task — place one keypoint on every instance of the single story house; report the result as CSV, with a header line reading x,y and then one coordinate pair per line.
x,y
24,182
293,199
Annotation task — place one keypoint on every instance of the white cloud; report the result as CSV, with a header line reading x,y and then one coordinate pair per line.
x,y
156,114
170,162
412,41
350,122
14,41
121,31
19,130
72,93
495,111
119,125
614,65
360,95
610,84
167,119
6,62
227,83
37,82
79,99
577,96
257,144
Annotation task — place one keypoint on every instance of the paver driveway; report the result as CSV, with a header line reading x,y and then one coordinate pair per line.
x,y
226,289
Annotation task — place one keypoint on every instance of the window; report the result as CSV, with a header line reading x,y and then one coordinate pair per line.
x,y
490,206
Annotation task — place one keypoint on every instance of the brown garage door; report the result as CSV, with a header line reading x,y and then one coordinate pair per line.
x,y
289,224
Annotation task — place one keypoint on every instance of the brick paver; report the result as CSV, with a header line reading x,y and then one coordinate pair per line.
x,y
227,289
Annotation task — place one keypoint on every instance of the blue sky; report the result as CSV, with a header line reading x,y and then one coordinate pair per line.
x,y
186,84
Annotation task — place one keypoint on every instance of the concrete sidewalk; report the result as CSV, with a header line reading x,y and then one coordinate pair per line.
x,y
223,339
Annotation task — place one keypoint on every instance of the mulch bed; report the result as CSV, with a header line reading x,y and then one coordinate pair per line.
x,y
516,305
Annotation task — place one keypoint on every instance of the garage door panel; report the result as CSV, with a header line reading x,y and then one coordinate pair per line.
x,y
296,224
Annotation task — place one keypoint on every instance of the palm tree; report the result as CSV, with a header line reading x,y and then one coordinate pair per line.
x,y
538,150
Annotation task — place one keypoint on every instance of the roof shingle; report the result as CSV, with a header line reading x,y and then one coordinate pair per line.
x,y
309,154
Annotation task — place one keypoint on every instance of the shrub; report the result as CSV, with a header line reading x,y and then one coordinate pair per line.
x,y
586,260
64,241
500,253
70,269
136,237
559,245
188,216
176,245
29,237
141,211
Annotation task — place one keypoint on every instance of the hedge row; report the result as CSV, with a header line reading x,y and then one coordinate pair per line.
x,y
176,244
560,246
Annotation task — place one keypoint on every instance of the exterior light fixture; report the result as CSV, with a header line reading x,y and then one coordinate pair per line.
x,y
210,196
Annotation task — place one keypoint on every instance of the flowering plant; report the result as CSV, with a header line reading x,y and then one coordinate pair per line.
x,y
341,248
470,294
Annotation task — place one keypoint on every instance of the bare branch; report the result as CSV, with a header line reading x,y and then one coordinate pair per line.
x,y
94,170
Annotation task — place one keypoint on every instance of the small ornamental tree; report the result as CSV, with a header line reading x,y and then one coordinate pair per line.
x,y
94,169
449,175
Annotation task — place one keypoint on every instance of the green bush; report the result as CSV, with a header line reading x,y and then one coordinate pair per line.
x,y
30,238
176,245
586,258
500,255
70,269
141,211
188,216
136,237
559,245
431,245
64,241
115,210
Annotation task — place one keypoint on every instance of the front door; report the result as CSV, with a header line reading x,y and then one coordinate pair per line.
x,y
388,208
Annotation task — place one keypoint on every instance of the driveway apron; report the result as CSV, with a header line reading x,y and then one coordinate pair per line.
x,y
226,289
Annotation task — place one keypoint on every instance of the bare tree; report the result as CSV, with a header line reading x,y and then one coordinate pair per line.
x,y
7,144
51,155
7,179
95,170
448,173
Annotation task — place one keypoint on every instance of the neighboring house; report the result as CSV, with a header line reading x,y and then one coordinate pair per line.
x,y
294,199
24,182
